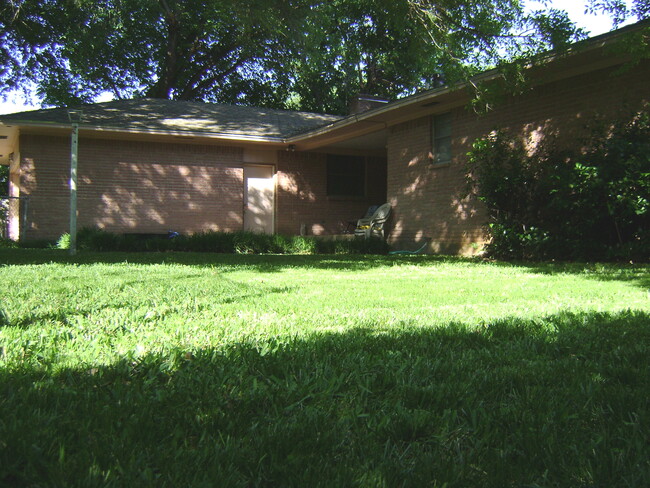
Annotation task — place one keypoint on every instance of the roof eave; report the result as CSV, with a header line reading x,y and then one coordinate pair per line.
x,y
152,132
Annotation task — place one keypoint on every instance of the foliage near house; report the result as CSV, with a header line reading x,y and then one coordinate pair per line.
x,y
4,191
592,203
4,179
241,242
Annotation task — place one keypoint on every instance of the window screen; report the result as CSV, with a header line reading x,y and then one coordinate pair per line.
x,y
346,176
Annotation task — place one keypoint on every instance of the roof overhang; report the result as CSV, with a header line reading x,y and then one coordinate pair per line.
x,y
380,119
27,127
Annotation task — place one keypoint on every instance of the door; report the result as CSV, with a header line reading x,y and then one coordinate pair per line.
x,y
259,195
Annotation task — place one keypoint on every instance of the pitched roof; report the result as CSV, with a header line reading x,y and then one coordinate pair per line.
x,y
156,115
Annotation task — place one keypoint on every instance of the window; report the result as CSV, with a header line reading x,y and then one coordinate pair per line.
x,y
346,176
441,138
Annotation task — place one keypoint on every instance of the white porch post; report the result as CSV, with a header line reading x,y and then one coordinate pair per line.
x,y
75,118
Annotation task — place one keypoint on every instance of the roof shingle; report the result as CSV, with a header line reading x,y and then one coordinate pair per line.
x,y
158,115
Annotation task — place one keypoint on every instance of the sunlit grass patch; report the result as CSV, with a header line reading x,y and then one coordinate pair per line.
x,y
204,370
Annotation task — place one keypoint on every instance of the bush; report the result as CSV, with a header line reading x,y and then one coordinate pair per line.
x,y
98,240
63,242
37,244
556,204
241,242
7,243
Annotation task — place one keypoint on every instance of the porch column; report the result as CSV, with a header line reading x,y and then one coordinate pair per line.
x,y
75,119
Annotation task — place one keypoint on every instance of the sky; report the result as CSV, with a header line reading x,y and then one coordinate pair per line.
x,y
594,24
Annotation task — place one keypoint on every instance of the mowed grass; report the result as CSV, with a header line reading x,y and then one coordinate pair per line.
x,y
217,370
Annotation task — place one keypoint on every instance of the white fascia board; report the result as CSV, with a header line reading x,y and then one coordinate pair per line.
x,y
177,133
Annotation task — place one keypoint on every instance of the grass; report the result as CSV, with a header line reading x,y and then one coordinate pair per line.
x,y
218,370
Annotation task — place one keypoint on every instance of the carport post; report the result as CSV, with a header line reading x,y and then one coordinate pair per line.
x,y
75,118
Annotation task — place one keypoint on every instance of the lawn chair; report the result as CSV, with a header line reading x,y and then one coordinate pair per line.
x,y
352,224
374,225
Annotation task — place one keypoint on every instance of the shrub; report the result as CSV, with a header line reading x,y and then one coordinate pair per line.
x,y
97,240
221,242
36,244
304,245
560,204
242,242
251,243
7,243
63,242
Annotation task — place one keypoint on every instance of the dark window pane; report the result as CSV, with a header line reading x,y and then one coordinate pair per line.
x,y
443,150
443,125
346,176
441,138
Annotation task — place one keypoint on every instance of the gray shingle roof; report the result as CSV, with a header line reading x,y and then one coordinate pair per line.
x,y
154,115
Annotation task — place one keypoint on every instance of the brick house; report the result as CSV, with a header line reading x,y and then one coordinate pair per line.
x,y
150,166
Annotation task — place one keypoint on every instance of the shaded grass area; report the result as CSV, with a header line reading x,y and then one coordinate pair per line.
x,y
555,402
188,370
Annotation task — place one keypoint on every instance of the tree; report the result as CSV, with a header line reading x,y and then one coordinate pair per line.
x,y
619,10
209,50
301,54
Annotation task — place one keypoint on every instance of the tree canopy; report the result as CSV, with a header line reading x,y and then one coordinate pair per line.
x,y
302,54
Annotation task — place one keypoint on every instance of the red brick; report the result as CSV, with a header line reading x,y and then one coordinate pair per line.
x,y
429,201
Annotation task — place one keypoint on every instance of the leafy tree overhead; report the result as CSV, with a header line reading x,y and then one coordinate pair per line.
x,y
305,54
620,10
194,50
395,48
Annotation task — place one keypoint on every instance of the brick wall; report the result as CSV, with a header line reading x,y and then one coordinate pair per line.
x,y
131,186
429,201
151,187
302,194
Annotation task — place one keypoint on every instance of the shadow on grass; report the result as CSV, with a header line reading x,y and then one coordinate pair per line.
x,y
637,274
560,401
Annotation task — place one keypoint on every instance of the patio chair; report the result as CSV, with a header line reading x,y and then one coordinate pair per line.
x,y
374,225
352,224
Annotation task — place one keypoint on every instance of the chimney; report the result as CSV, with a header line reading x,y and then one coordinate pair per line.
x,y
364,102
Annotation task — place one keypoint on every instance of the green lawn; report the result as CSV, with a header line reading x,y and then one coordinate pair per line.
x,y
218,370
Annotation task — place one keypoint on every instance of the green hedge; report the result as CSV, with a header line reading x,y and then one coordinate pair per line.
x,y
222,242
7,243
587,204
